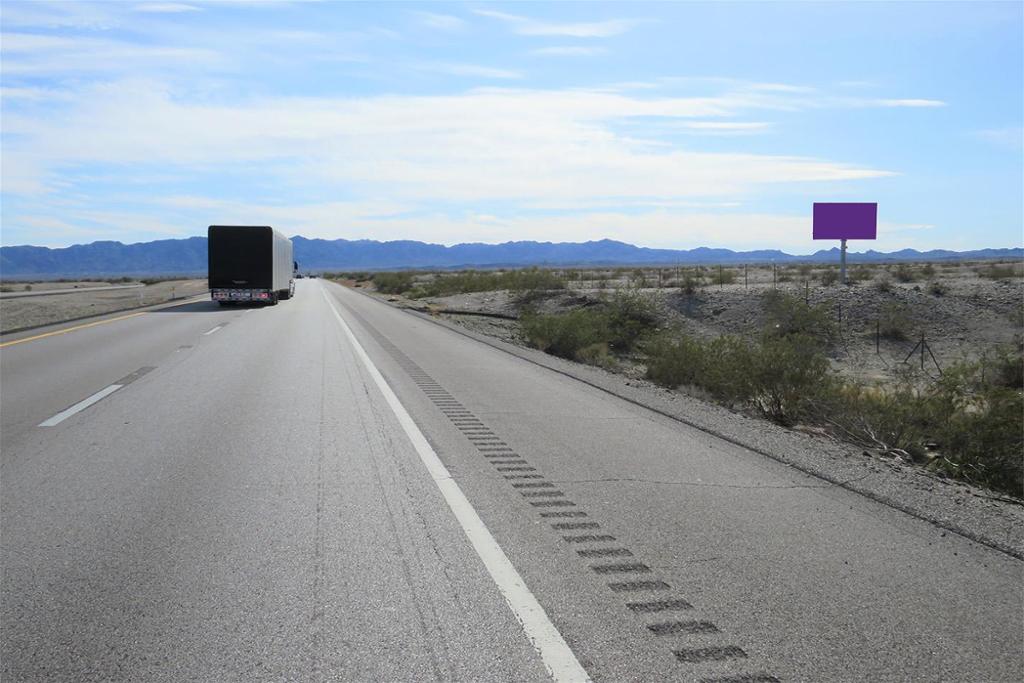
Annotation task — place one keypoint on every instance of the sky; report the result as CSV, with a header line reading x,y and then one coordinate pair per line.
x,y
671,125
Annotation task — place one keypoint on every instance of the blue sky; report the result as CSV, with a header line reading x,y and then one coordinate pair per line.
x,y
663,124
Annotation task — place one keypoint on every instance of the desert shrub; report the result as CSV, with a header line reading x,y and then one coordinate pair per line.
x,y
786,374
596,354
723,276
358,276
787,315
984,445
784,276
27,288
904,273
523,282
779,375
675,360
883,283
886,419
829,276
998,271
6,288
980,431
722,367
894,322
393,283
805,270
617,323
630,316
1006,369
690,284
566,334
938,288
928,270
858,274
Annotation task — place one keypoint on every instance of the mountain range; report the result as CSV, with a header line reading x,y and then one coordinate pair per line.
x,y
188,256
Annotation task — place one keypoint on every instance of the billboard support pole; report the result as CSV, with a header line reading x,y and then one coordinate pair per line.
x,y
842,262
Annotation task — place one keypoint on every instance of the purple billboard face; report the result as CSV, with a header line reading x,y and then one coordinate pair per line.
x,y
849,221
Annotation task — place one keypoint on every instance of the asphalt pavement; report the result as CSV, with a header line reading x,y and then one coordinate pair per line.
x,y
333,489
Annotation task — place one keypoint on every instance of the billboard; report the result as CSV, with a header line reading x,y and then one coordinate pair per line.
x,y
845,221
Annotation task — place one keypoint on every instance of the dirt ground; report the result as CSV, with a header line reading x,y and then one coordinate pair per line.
x,y
961,314
33,311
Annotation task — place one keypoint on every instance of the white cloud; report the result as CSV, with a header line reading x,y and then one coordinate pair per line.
x,y
472,71
1011,137
36,54
908,103
441,22
530,27
165,7
484,145
721,127
568,51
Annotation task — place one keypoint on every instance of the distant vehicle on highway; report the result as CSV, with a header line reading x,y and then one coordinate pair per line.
x,y
250,264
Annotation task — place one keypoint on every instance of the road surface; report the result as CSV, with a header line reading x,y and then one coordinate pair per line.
x,y
332,489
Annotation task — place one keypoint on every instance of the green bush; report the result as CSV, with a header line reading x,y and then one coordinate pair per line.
x,y
894,322
690,284
904,273
779,376
787,315
630,316
829,276
722,367
998,271
883,284
938,288
858,274
393,283
522,282
724,276
928,270
788,372
566,334
617,323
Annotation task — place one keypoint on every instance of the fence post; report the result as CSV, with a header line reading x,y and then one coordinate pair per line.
x,y
878,334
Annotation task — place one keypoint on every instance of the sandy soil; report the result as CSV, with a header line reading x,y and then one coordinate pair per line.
x,y
21,313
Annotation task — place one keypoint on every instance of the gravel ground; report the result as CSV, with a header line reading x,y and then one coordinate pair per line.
x,y
961,508
35,311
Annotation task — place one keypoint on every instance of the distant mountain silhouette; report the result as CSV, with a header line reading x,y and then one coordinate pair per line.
x,y
188,256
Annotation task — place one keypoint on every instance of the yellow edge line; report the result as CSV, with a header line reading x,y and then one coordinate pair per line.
x,y
71,329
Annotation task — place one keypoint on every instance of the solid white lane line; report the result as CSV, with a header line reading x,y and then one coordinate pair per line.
x,y
212,331
558,658
80,406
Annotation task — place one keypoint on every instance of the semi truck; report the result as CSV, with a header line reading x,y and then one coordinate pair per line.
x,y
249,264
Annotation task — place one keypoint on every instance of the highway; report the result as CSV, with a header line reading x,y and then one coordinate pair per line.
x,y
333,489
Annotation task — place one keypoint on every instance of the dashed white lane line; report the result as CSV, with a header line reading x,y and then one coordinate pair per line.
x,y
208,333
558,658
80,406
